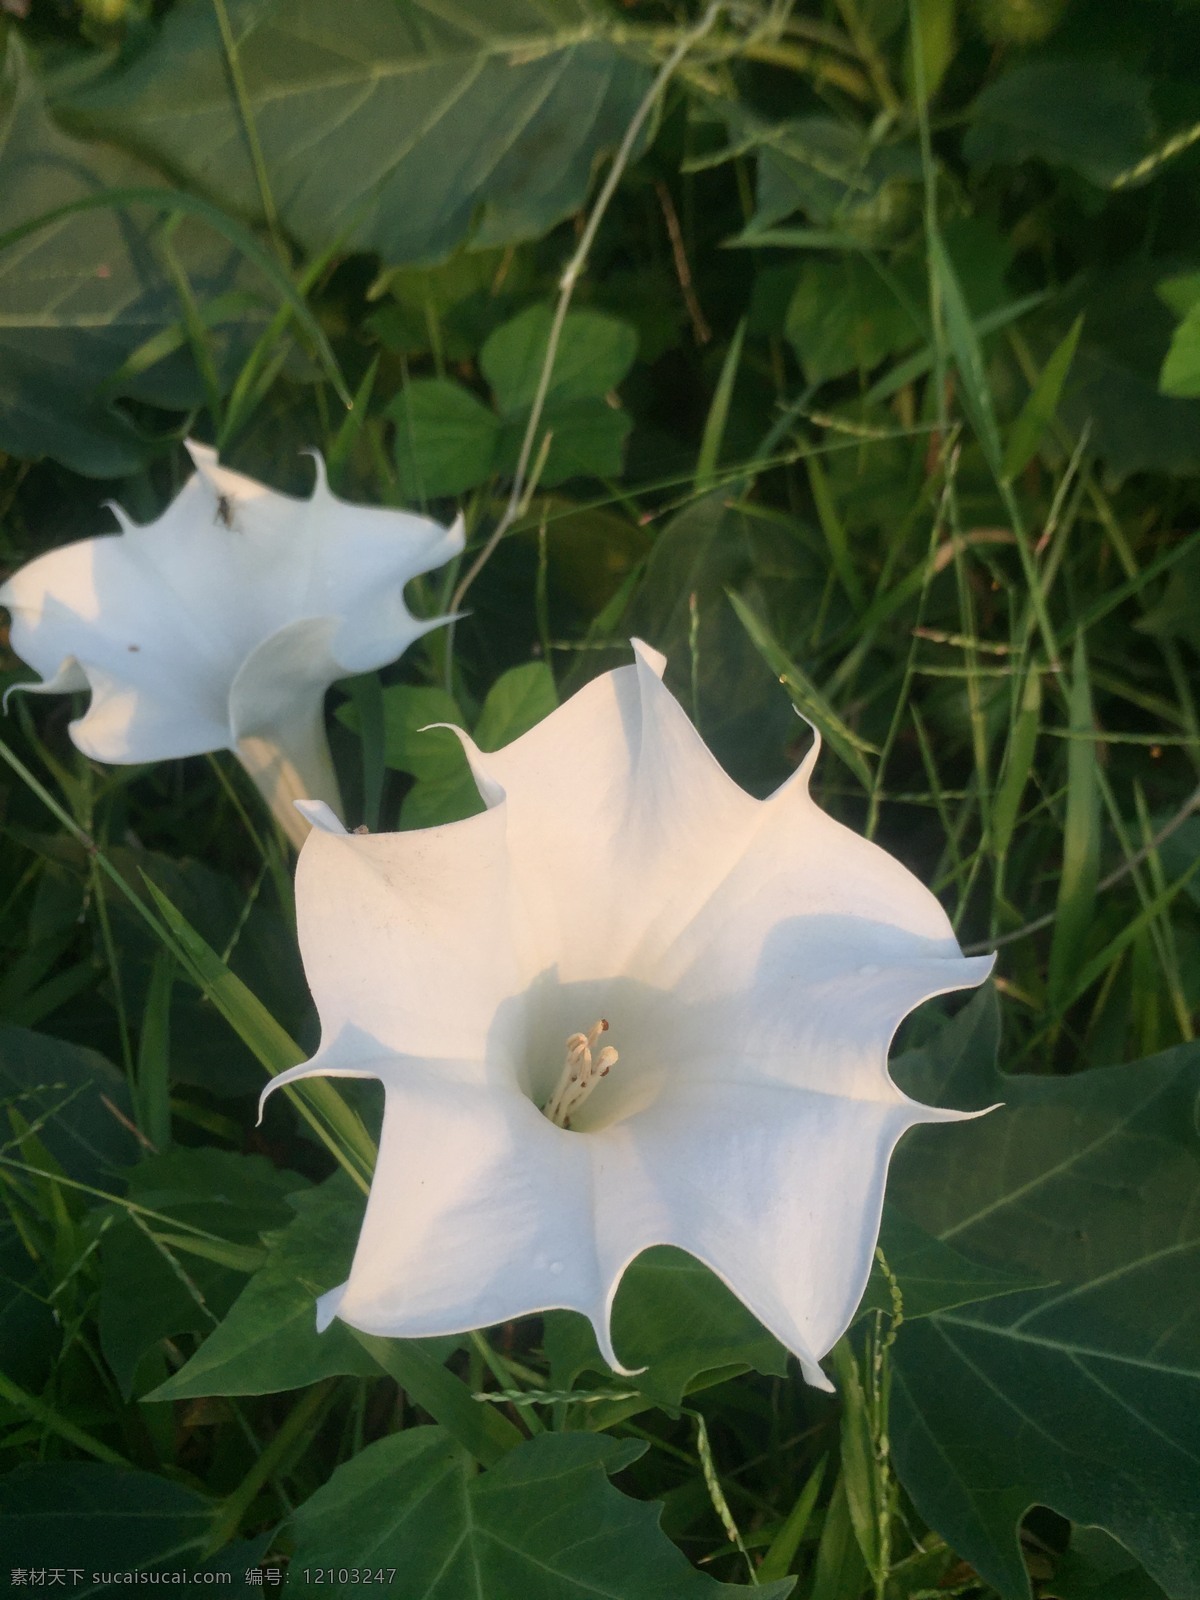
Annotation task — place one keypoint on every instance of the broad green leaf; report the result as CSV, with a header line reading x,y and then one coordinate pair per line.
x,y
1039,410
412,740
1180,376
832,171
1096,1567
595,352
268,1340
99,1518
587,440
712,665
518,700
675,1318
931,1275
80,295
445,439
60,1091
158,1281
399,127
1090,115
1083,1395
844,317
806,697
543,1521
1114,389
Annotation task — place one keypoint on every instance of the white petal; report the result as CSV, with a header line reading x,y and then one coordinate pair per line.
x,y
70,678
619,819
480,1210
408,940
778,1190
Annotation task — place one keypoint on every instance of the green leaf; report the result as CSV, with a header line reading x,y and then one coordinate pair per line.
x,y
834,172
716,671
1039,410
544,1521
595,352
445,439
1096,1567
484,124
445,791
319,1102
587,440
1082,1395
1180,376
1081,838
1114,389
675,1318
81,294
516,702
718,414
158,1282
60,1091
844,317
932,1276
268,1341
418,1368
967,351
1018,762
100,1518
1090,115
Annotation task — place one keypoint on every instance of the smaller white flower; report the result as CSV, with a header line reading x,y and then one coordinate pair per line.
x,y
221,625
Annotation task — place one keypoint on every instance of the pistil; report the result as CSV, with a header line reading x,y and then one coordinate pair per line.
x,y
580,1074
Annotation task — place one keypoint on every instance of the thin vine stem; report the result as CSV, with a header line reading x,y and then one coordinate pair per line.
x,y
566,291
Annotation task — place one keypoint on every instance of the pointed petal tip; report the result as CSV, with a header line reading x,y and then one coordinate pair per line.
x,y
647,656
814,1376
328,1305
203,455
321,815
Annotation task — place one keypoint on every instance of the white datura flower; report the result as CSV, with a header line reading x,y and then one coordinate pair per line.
x,y
625,1005
220,625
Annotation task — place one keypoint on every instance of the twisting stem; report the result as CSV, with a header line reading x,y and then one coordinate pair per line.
x,y
566,290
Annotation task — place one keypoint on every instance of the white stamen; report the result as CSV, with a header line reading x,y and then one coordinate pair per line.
x,y
580,1074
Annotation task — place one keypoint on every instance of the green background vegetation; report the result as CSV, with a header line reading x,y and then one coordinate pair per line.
x,y
877,399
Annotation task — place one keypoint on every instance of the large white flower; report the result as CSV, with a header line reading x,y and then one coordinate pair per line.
x,y
222,624
703,985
